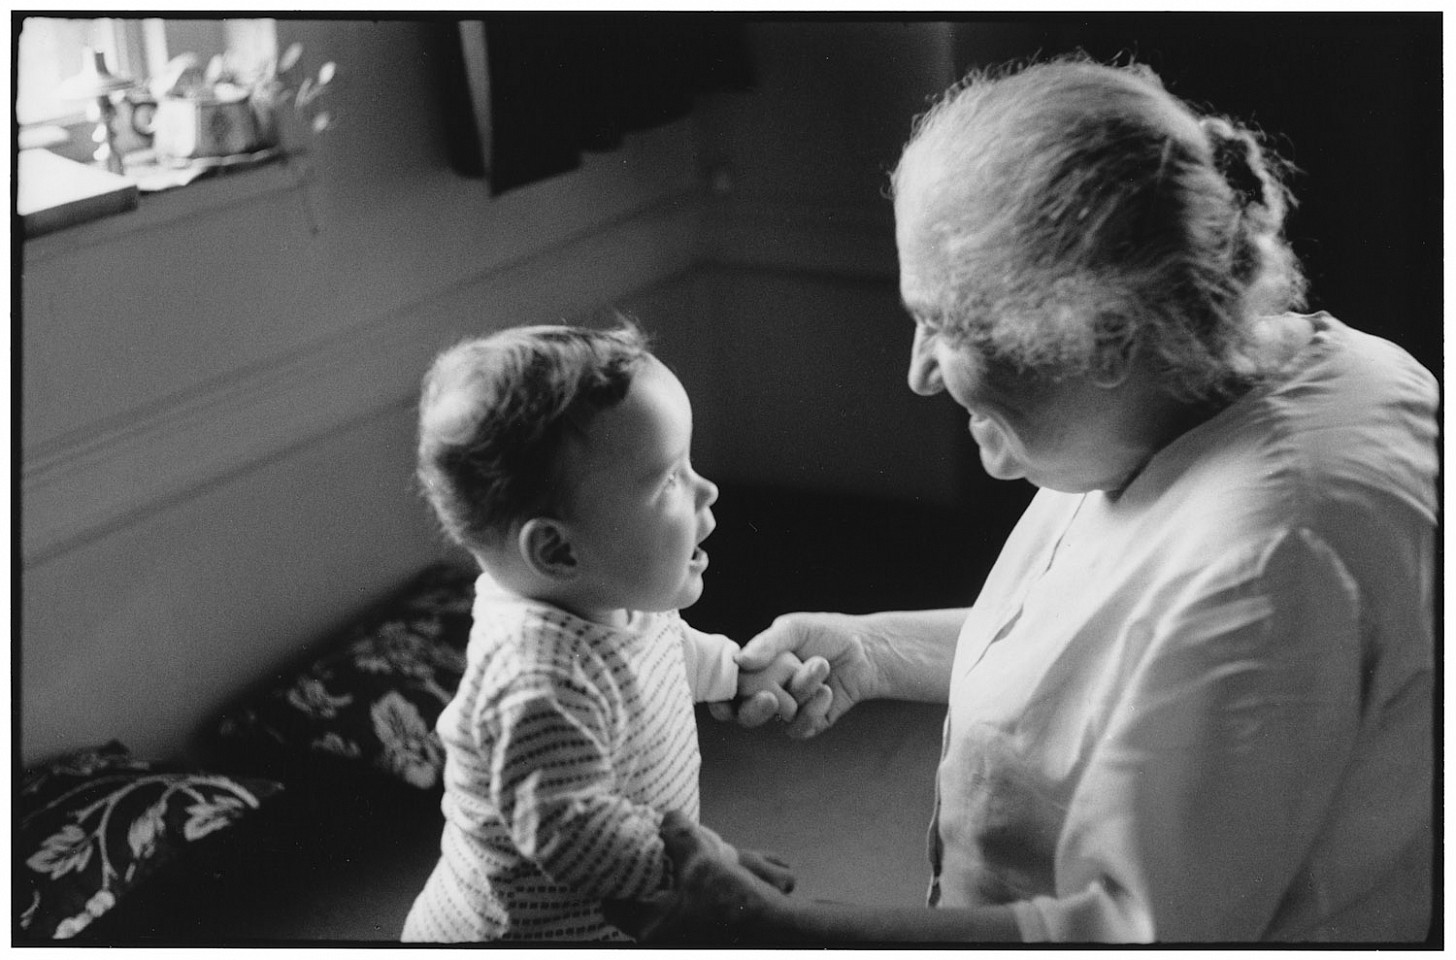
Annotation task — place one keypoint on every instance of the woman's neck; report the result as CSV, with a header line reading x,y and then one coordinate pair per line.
x,y
1175,419
1161,419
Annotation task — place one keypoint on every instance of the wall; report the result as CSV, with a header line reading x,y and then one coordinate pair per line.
x,y
215,429
800,240
803,269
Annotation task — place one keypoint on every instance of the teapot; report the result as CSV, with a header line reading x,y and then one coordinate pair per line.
x,y
207,125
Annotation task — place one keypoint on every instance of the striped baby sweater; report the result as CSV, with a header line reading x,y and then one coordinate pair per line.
x,y
564,746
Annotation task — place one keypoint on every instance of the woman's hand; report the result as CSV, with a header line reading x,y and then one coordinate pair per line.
x,y
716,900
720,898
835,637
768,867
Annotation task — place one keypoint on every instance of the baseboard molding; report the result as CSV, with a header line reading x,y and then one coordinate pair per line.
x,y
85,485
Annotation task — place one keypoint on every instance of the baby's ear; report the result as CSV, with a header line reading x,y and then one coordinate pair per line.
x,y
545,548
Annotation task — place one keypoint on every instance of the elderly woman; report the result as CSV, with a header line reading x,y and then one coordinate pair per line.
x,y
1193,700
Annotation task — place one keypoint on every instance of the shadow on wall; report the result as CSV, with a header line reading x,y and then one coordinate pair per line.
x,y
776,550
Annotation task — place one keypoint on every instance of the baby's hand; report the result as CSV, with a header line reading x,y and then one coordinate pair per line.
x,y
775,678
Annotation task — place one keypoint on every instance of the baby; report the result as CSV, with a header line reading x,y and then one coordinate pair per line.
x,y
558,456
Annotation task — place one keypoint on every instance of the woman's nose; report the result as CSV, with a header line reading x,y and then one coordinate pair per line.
x,y
924,375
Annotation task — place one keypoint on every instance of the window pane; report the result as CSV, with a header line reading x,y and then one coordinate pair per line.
x,y
203,38
50,51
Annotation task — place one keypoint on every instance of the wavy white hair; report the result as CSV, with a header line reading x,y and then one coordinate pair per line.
x,y
1079,208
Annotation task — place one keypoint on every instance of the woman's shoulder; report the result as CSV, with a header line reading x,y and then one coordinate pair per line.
x,y
1354,417
1357,366
1341,442
1346,413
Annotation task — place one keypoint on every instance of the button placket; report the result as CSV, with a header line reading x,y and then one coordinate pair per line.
x,y
1010,612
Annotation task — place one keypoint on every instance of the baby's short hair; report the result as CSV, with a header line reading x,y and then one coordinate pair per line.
x,y
494,412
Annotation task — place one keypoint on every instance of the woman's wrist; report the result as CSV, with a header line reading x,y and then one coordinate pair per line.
x,y
776,921
910,652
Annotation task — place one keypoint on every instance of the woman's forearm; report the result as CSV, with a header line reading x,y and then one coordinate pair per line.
x,y
804,922
912,651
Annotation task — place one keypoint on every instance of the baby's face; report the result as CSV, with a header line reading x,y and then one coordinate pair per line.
x,y
636,512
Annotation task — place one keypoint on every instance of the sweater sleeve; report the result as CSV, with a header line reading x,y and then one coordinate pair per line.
x,y
1206,793
712,671
553,783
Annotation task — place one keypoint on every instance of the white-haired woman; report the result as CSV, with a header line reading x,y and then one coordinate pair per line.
x,y
1193,700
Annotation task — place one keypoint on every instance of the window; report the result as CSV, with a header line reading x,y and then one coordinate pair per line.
x,y
82,173
49,51
51,48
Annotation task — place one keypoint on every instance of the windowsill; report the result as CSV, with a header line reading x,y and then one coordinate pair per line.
x,y
218,190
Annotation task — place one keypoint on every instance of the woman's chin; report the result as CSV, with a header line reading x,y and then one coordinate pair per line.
x,y
996,458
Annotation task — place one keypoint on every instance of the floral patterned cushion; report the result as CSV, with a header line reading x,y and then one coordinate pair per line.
x,y
374,695
95,823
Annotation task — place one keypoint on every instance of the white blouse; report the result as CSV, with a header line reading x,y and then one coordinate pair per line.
x,y
1203,711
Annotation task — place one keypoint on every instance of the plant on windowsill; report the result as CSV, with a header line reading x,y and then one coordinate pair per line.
x,y
230,114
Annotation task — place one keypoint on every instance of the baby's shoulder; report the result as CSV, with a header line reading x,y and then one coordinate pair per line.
x,y
517,641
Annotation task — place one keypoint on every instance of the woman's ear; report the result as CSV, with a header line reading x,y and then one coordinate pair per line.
x,y
1113,362
546,549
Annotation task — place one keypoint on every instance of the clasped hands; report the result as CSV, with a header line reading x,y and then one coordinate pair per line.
x,y
806,669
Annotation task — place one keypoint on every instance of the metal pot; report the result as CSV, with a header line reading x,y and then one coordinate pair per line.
x,y
185,128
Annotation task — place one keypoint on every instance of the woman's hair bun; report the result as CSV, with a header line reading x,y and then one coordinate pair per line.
x,y
1237,157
